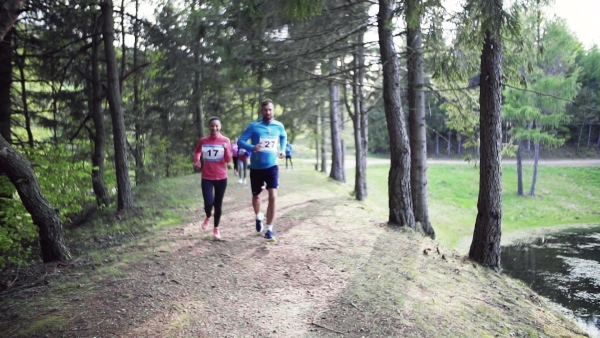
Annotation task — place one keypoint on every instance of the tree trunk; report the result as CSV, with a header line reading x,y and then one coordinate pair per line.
x,y
589,138
98,156
44,215
520,169
323,140
124,195
400,201
9,11
536,158
416,116
579,137
437,144
197,89
485,247
316,132
24,99
5,85
360,142
337,167
458,143
139,114
449,144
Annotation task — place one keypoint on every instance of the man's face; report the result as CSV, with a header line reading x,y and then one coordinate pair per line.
x,y
267,112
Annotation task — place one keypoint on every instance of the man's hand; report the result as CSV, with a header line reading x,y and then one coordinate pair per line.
x,y
281,154
197,168
257,148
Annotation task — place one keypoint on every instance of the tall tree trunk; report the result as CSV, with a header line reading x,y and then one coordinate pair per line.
x,y
140,116
5,86
360,177
459,143
437,144
520,169
536,159
337,167
6,189
124,195
323,139
44,215
400,201
24,98
485,247
198,69
98,156
316,132
416,116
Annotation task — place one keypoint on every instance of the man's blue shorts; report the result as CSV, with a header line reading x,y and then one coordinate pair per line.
x,y
258,177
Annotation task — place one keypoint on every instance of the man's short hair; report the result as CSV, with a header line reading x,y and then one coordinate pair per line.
x,y
266,102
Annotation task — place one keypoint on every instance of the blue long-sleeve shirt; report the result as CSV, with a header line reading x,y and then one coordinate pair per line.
x,y
273,138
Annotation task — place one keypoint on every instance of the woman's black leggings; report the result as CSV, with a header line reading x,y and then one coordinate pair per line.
x,y
213,192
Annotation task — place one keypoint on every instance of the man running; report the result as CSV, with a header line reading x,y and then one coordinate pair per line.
x,y
268,139
288,155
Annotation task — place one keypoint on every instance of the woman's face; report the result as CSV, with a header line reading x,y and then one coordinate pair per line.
x,y
215,127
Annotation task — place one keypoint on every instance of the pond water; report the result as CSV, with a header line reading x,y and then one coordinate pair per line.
x,y
564,267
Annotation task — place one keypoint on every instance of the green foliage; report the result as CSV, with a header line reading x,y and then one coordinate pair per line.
x,y
66,183
161,162
17,232
538,112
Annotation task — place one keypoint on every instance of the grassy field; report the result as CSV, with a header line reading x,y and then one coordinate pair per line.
x,y
563,196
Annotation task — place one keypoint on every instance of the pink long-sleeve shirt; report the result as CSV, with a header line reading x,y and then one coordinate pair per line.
x,y
215,152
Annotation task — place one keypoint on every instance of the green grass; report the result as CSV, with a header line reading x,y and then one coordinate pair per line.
x,y
564,196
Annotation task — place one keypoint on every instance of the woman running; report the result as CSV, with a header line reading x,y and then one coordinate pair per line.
x,y
211,157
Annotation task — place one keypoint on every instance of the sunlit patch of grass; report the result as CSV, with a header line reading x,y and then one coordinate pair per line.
x,y
564,195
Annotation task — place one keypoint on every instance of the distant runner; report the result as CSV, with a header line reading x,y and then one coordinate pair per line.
x,y
242,165
288,155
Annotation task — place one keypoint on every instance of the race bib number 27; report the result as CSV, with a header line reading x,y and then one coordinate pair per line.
x,y
213,153
269,144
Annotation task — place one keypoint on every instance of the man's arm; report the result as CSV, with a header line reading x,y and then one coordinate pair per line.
x,y
243,140
282,142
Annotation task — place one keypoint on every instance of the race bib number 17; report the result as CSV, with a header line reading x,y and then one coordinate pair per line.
x,y
269,144
213,153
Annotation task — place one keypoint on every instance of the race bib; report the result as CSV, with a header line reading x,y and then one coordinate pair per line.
x,y
269,144
213,152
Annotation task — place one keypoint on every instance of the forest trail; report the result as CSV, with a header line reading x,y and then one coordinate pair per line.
x,y
335,271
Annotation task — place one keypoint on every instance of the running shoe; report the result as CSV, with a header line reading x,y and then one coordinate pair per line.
x,y
216,234
270,236
259,225
205,223
244,181
240,181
